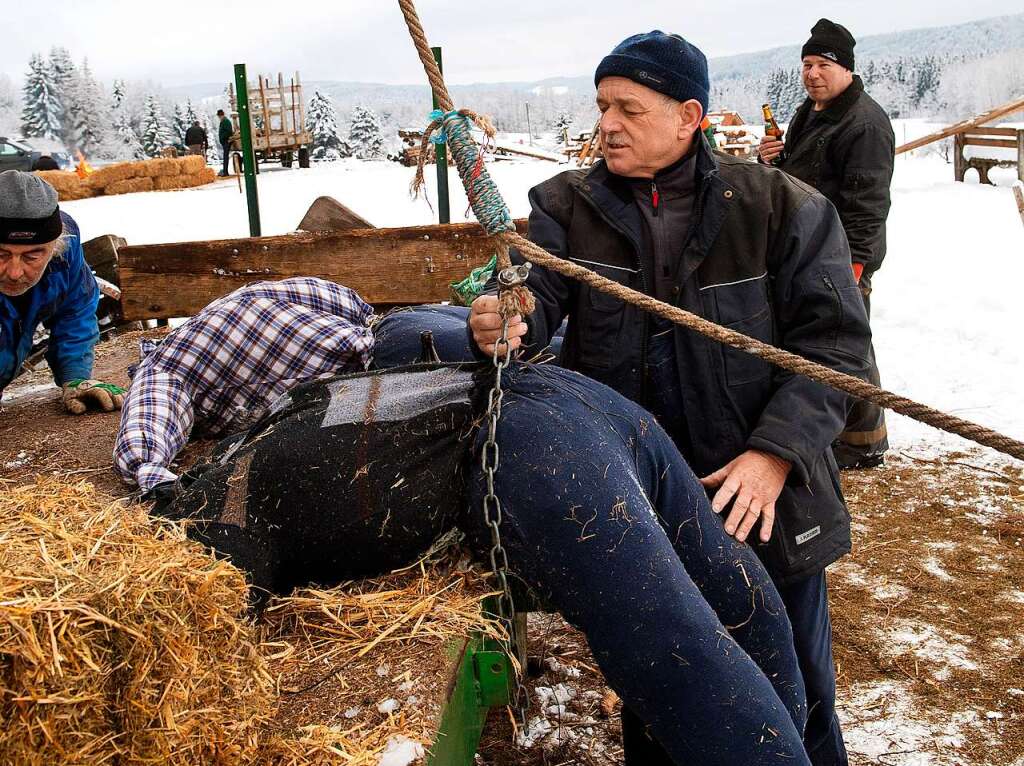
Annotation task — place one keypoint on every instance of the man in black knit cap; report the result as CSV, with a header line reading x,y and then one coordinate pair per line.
x,y
841,142
743,245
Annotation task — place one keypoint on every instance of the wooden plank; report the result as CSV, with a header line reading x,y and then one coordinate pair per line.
x,y
385,266
1008,132
999,143
1002,110
534,153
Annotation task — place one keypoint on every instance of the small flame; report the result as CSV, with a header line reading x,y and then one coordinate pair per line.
x,y
83,168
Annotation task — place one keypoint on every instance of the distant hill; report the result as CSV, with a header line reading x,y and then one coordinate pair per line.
x,y
739,81
971,39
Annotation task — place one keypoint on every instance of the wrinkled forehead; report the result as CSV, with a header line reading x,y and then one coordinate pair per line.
x,y
8,250
618,90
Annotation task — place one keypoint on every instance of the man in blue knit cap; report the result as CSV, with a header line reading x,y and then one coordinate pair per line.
x,y
44,280
746,246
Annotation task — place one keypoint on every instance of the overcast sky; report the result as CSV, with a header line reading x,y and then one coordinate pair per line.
x,y
366,40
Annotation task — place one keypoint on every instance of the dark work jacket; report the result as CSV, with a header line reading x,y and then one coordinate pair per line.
x,y
195,136
225,130
847,153
766,257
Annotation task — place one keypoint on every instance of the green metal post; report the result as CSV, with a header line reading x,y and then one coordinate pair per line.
x,y
441,150
248,156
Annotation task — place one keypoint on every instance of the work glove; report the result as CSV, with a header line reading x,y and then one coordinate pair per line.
x,y
80,393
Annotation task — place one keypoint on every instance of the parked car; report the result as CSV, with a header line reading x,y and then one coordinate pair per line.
x,y
16,155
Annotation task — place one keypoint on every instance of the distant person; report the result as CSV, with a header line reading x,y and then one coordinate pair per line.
x,y
45,162
841,142
44,280
196,139
224,132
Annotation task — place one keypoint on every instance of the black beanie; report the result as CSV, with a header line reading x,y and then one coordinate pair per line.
x,y
832,41
662,62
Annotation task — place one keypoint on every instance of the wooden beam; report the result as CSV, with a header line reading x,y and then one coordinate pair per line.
x,y
1002,110
1007,132
999,143
536,154
385,266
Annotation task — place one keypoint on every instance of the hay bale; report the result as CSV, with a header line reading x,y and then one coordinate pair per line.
x,y
130,185
121,641
67,184
192,164
207,176
105,176
158,168
168,183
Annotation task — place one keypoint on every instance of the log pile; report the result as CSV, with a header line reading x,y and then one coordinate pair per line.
x,y
163,174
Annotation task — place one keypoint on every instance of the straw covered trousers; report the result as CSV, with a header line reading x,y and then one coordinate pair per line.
x,y
608,524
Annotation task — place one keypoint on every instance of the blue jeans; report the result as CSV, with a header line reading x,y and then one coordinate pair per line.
x,y
604,519
806,601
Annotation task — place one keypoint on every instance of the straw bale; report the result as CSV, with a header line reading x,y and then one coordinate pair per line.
x,y
121,641
163,166
105,176
167,183
192,164
67,184
207,176
130,185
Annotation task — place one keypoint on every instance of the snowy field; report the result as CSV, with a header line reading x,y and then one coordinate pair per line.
x,y
947,309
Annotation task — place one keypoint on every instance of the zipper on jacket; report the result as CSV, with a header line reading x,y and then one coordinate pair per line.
x,y
655,197
839,302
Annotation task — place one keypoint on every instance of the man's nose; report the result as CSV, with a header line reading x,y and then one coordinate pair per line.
x,y
13,270
610,123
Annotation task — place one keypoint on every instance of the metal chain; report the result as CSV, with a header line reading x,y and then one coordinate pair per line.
x,y
489,459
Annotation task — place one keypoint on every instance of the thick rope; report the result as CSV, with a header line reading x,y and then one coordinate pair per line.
x,y
776,356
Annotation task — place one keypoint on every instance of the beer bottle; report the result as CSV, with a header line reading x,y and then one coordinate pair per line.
x,y
771,127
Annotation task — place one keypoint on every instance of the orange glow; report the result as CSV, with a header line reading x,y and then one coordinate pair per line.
x,y
83,168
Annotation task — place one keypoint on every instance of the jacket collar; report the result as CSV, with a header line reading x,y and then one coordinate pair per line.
x,y
834,112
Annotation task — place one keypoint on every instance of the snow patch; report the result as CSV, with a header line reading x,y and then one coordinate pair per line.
x,y
401,751
925,642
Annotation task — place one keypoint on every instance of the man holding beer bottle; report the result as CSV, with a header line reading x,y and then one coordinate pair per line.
x,y
841,142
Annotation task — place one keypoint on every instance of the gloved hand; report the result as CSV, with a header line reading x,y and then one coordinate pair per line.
x,y
80,393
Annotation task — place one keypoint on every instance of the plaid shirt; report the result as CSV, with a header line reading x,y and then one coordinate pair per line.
x,y
221,370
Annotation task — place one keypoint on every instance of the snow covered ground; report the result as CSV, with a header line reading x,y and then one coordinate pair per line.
x,y
947,306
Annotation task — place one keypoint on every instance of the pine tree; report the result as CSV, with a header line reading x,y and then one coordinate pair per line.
x,y
213,147
41,114
117,94
190,114
365,137
155,134
322,124
179,124
87,112
131,147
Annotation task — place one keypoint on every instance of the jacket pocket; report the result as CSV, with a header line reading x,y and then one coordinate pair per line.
x,y
741,367
847,308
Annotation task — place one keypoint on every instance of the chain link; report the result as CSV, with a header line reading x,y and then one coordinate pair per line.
x,y
490,457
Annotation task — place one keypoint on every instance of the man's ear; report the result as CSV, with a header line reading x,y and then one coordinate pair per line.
x,y
690,115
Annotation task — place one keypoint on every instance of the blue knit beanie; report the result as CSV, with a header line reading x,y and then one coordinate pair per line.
x,y
662,62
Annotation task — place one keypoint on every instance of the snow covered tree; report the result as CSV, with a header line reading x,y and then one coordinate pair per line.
x,y
322,124
213,155
117,94
10,107
365,137
87,116
128,139
41,113
190,114
154,135
179,124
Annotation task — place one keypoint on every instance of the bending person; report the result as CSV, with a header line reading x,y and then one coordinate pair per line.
x,y
355,475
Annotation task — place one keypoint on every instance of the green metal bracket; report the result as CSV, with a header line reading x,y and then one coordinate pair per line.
x,y
441,152
462,721
248,156
493,676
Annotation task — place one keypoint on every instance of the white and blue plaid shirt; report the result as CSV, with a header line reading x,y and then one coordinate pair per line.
x,y
220,371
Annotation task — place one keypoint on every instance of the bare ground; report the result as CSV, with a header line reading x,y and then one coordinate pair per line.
x,y
926,612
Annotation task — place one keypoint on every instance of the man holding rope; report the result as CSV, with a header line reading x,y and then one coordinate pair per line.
x,y
745,246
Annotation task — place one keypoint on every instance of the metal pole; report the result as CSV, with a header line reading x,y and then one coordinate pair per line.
x,y
248,156
529,130
441,152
